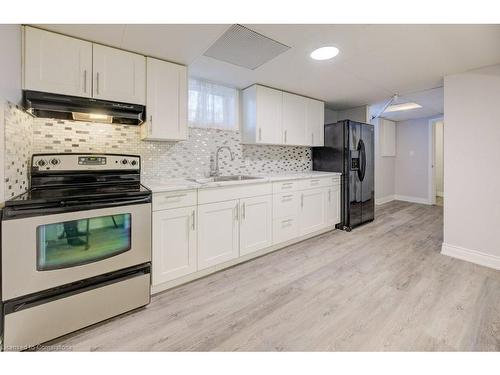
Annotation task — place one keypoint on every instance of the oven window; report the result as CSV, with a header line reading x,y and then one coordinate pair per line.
x,y
72,243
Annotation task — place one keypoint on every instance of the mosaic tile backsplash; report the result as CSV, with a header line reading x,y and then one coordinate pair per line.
x,y
190,158
18,149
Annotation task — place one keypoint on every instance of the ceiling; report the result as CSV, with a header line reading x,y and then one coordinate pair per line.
x,y
375,61
432,102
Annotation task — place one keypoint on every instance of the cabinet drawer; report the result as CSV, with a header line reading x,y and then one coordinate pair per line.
x,y
285,229
285,186
285,204
315,183
174,199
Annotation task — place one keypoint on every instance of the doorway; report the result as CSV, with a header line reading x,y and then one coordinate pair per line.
x,y
436,161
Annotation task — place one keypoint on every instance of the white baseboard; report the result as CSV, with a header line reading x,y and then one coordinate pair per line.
x,y
407,198
383,200
473,256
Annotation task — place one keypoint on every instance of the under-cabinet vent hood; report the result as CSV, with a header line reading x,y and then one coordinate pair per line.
x,y
64,107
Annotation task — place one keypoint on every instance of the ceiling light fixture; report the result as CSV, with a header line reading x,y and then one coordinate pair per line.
x,y
402,107
325,53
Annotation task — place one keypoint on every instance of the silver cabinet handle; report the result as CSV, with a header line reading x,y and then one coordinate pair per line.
x,y
97,83
286,221
287,196
151,119
314,182
85,81
285,135
175,196
302,200
237,212
243,211
193,220
260,134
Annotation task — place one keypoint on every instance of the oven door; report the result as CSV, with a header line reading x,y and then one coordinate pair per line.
x,y
44,252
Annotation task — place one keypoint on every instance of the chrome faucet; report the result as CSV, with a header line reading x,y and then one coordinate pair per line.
x,y
215,172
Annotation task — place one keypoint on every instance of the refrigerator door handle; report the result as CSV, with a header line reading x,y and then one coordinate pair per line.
x,y
362,167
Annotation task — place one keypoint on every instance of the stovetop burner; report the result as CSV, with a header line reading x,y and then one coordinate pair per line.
x,y
72,182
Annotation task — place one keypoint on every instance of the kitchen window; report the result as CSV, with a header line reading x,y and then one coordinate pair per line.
x,y
212,105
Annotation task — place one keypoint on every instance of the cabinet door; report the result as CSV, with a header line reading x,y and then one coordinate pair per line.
x,y
313,206
315,122
294,119
166,101
174,243
119,75
333,211
57,64
269,115
256,224
218,233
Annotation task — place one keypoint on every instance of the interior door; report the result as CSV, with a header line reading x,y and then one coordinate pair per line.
x,y
256,224
56,63
119,75
354,165
368,173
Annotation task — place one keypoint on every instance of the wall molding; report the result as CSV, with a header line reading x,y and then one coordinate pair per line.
x,y
387,199
411,199
473,256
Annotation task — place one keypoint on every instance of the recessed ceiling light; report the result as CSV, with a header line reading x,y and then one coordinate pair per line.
x,y
324,53
402,107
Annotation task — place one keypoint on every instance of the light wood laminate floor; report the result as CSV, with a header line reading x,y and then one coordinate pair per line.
x,y
384,286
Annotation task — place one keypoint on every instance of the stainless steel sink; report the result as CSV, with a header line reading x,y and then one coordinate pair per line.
x,y
224,179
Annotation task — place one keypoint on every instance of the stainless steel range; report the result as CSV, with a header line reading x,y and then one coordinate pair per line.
x,y
76,248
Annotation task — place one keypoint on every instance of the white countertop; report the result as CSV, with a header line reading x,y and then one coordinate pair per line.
x,y
162,185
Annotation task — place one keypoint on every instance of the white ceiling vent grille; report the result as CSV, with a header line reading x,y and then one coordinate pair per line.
x,y
244,47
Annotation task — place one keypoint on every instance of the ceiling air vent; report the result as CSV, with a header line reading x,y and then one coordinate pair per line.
x,y
244,47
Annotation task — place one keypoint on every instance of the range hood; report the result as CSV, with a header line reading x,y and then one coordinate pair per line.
x,y
46,105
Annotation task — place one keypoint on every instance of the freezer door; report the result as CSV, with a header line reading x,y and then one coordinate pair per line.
x,y
354,194
367,173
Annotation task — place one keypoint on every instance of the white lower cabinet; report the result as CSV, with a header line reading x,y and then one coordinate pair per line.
x,y
313,208
218,233
256,224
174,243
333,211
285,229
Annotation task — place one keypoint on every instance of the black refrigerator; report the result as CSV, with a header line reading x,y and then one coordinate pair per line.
x,y
349,149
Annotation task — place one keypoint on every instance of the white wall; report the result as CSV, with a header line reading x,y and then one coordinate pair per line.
x,y
331,116
384,170
471,174
356,114
10,63
438,164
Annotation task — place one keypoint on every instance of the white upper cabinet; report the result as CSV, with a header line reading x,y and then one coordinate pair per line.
x,y
262,115
295,120
119,75
315,122
166,101
56,63
272,116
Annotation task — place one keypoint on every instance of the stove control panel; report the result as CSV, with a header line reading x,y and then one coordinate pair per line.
x,y
83,162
